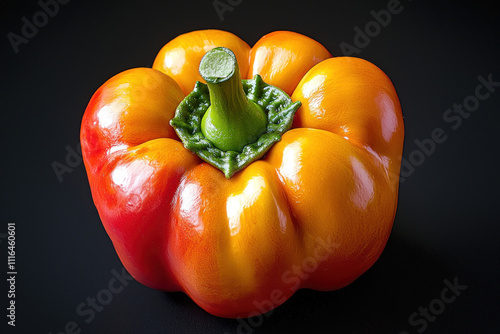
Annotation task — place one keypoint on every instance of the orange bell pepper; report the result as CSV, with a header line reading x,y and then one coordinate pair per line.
x,y
314,211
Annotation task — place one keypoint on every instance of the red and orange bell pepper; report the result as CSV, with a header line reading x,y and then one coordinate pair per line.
x,y
312,210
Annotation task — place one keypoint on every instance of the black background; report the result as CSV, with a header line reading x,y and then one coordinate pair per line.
x,y
447,222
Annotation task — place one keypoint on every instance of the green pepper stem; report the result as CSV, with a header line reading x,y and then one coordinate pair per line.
x,y
232,121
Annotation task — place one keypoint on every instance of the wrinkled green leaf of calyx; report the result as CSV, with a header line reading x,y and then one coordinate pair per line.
x,y
187,124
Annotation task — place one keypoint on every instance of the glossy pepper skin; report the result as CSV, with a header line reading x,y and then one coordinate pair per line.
x,y
315,212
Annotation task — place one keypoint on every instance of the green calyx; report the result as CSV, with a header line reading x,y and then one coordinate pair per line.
x,y
230,122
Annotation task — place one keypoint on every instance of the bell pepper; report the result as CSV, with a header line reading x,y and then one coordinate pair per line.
x,y
239,175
